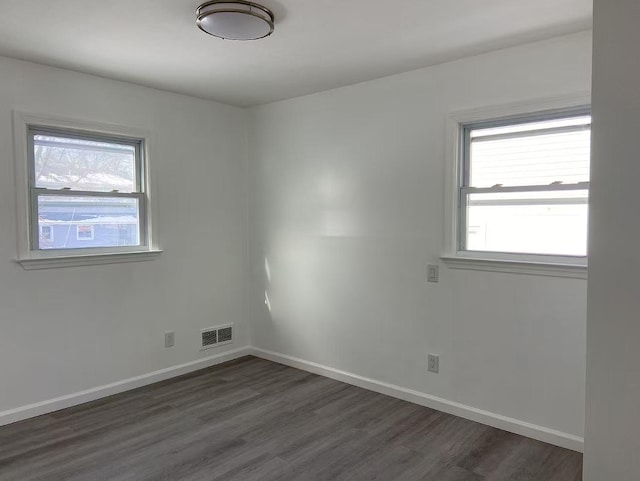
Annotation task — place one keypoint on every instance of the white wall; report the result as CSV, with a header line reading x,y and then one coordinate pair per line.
x,y
347,209
613,327
67,330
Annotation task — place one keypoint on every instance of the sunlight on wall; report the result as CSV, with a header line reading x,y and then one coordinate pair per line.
x,y
267,302
267,269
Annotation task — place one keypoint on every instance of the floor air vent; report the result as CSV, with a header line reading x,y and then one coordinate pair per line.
x,y
216,336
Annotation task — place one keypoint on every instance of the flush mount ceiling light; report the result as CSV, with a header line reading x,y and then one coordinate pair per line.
x,y
235,20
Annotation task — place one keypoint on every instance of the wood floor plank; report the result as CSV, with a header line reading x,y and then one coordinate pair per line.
x,y
255,420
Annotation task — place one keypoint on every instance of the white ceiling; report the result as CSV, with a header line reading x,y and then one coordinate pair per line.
x,y
317,44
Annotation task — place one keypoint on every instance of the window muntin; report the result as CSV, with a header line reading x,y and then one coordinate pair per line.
x,y
525,184
88,189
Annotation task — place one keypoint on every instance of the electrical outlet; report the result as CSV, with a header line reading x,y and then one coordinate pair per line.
x,y
432,273
169,339
434,363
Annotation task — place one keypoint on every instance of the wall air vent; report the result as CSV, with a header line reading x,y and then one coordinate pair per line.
x,y
209,338
216,336
225,334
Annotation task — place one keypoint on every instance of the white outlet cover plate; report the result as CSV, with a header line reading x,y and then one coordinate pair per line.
x,y
434,363
169,339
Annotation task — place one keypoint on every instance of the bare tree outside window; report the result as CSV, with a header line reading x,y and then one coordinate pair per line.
x,y
83,165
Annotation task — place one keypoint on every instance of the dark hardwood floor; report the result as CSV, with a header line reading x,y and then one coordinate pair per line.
x,y
252,419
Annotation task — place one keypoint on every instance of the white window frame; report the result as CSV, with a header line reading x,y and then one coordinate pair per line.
x,y
454,256
29,256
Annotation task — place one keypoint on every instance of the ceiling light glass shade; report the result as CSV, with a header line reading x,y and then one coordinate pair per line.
x,y
236,20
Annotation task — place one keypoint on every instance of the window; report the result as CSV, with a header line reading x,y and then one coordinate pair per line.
x,y
78,177
86,191
523,188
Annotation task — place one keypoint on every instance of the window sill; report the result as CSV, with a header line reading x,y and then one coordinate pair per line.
x,y
573,271
87,260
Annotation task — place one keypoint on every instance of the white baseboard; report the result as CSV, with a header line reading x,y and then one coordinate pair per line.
x,y
505,423
533,431
51,405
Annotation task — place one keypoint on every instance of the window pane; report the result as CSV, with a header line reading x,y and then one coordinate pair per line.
x,y
67,162
553,223
525,154
66,222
